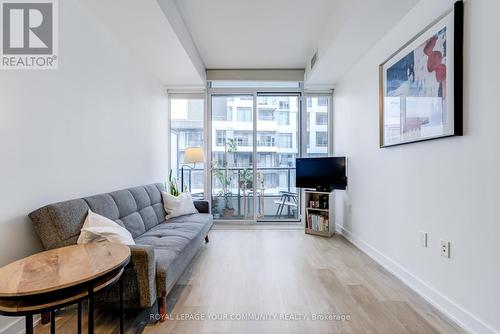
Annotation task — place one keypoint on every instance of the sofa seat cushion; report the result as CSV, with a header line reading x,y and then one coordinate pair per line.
x,y
175,244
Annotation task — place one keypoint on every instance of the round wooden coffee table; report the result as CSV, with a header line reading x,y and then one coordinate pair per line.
x,y
60,277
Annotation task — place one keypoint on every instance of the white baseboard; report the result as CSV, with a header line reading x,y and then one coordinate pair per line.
x,y
257,226
17,326
455,312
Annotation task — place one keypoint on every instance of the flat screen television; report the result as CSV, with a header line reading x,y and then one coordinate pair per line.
x,y
323,174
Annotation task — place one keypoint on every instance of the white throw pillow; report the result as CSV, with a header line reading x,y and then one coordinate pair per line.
x,y
178,206
99,228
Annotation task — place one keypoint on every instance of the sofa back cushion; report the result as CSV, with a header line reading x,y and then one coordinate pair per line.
x,y
137,209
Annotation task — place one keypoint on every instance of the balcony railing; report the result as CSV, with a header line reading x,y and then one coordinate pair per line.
x,y
272,183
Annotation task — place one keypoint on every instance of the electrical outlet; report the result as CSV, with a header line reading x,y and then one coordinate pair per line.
x,y
445,249
422,239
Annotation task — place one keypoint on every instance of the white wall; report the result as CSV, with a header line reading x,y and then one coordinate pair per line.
x,y
447,187
96,124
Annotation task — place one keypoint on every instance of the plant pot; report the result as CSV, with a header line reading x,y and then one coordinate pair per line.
x,y
228,212
246,185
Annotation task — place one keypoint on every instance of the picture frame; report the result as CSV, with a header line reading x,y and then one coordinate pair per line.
x,y
421,84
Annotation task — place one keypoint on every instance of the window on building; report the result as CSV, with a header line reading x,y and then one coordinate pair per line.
x,y
197,178
283,118
244,114
243,159
322,139
285,140
218,158
264,101
317,125
222,110
194,138
186,115
266,115
270,179
220,114
265,159
266,139
243,138
321,118
286,160
284,104
323,101
220,138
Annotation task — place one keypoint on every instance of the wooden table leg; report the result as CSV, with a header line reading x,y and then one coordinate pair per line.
x,y
122,320
91,310
29,324
79,319
52,322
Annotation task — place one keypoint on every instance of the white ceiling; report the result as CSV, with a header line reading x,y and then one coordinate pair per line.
x,y
176,40
246,34
255,33
361,24
145,31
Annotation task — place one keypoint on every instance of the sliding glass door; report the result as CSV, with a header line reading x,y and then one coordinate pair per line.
x,y
254,143
252,139
277,147
232,146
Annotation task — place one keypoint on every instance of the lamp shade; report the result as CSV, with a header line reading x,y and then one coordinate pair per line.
x,y
193,155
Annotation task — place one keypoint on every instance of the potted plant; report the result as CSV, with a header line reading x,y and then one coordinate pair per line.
x,y
228,210
225,178
215,208
246,180
173,185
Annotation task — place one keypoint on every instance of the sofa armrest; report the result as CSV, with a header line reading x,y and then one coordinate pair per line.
x,y
202,206
143,264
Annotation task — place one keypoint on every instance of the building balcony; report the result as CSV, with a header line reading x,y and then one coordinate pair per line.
x,y
277,196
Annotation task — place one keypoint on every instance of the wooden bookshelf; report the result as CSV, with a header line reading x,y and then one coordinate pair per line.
x,y
319,213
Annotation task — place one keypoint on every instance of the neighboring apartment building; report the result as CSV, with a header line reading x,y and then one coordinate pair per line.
x,y
232,118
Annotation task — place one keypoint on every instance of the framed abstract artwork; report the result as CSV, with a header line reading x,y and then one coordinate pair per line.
x,y
421,84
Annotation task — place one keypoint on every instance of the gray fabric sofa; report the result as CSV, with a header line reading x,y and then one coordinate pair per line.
x,y
162,251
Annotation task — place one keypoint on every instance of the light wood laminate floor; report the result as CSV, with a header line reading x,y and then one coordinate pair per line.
x,y
285,273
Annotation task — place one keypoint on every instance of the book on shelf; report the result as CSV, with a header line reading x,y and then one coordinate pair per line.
x,y
317,222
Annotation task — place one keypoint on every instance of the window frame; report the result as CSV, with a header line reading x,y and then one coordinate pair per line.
x,y
195,94
304,131
255,92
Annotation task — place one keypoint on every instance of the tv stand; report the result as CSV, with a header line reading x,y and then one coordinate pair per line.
x,y
318,210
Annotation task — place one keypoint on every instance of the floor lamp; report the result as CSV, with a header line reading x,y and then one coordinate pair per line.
x,y
192,155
